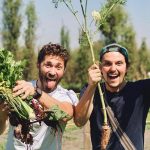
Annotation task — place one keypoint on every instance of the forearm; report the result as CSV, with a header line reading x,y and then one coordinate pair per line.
x,y
47,102
85,106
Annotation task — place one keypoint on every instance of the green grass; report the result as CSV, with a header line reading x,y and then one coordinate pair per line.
x,y
148,117
148,121
2,146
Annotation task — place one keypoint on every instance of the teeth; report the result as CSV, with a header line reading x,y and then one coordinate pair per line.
x,y
112,75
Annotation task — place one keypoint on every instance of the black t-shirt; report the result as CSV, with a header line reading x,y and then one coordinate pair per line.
x,y
130,107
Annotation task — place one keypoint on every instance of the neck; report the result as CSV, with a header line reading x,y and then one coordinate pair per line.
x,y
116,89
38,84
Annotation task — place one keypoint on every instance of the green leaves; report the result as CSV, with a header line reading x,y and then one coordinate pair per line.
x,y
10,70
55,113
106,10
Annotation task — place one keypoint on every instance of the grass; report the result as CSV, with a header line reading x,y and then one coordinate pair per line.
x,y
148,117
2,146
148,121
71,126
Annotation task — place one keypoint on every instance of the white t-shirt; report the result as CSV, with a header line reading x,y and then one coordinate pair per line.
x,y
44,137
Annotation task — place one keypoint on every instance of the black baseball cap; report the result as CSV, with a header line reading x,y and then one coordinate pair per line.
x,y
115,48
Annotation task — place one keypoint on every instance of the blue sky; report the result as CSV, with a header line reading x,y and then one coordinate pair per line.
x,y
50,20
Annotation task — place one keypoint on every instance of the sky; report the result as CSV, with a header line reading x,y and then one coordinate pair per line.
x,y
51,19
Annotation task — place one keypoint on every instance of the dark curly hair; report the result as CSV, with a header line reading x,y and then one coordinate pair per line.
x,y
53,49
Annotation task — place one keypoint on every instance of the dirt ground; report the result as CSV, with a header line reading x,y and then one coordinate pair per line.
x,y
74,140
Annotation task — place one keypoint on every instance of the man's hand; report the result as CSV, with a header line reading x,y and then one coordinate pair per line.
x,y
24,89
94,74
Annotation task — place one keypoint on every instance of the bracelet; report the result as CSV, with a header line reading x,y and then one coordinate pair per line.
x,y
38,93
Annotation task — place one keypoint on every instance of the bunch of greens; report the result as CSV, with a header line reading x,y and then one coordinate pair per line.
x,y
10,72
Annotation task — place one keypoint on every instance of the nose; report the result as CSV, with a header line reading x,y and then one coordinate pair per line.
x,y
113,67
52,71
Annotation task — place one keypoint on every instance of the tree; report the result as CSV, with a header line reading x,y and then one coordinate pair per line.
x,y
69,79
143,62
64,38
78,65
83,60
11,24
29,54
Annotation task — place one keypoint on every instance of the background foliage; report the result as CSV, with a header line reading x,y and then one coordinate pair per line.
x,y
117,28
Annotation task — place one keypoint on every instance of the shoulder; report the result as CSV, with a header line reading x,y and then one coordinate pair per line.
x,y
140,83
137,87
33,82
65,95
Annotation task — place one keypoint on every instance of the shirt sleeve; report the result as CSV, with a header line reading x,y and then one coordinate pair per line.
x,y
73,97
65,95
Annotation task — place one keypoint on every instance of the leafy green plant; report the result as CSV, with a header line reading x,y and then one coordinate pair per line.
x,y
20,112
10,72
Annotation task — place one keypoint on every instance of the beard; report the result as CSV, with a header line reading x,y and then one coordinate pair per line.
x,y
49,82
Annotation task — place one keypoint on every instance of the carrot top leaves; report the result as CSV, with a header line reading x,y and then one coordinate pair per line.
x,y
10,70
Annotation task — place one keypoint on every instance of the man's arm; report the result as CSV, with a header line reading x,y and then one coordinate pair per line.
x,y
48,102
26,89
84,108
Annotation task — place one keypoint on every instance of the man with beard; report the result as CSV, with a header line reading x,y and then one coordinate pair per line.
x,y
47,94
129,101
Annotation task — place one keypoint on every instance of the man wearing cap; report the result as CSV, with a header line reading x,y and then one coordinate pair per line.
x,y
129,101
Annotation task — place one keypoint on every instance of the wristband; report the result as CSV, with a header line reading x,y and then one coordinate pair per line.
x,y
38,93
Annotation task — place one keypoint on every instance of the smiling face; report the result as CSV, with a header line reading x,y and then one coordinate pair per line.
x,y
113,68
51,71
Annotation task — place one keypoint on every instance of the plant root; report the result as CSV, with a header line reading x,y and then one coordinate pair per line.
x,y
105,136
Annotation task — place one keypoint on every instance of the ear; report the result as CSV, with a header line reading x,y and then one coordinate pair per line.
x,y
128,66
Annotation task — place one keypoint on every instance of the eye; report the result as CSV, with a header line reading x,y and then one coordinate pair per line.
x,y
59,67
106,64
48,65
119,63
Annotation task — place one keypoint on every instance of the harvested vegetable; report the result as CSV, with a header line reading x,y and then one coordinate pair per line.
x,y
20,111
10,72
106,132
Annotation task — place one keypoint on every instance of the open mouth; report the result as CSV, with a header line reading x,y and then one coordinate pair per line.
x,y
51,77
113,76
